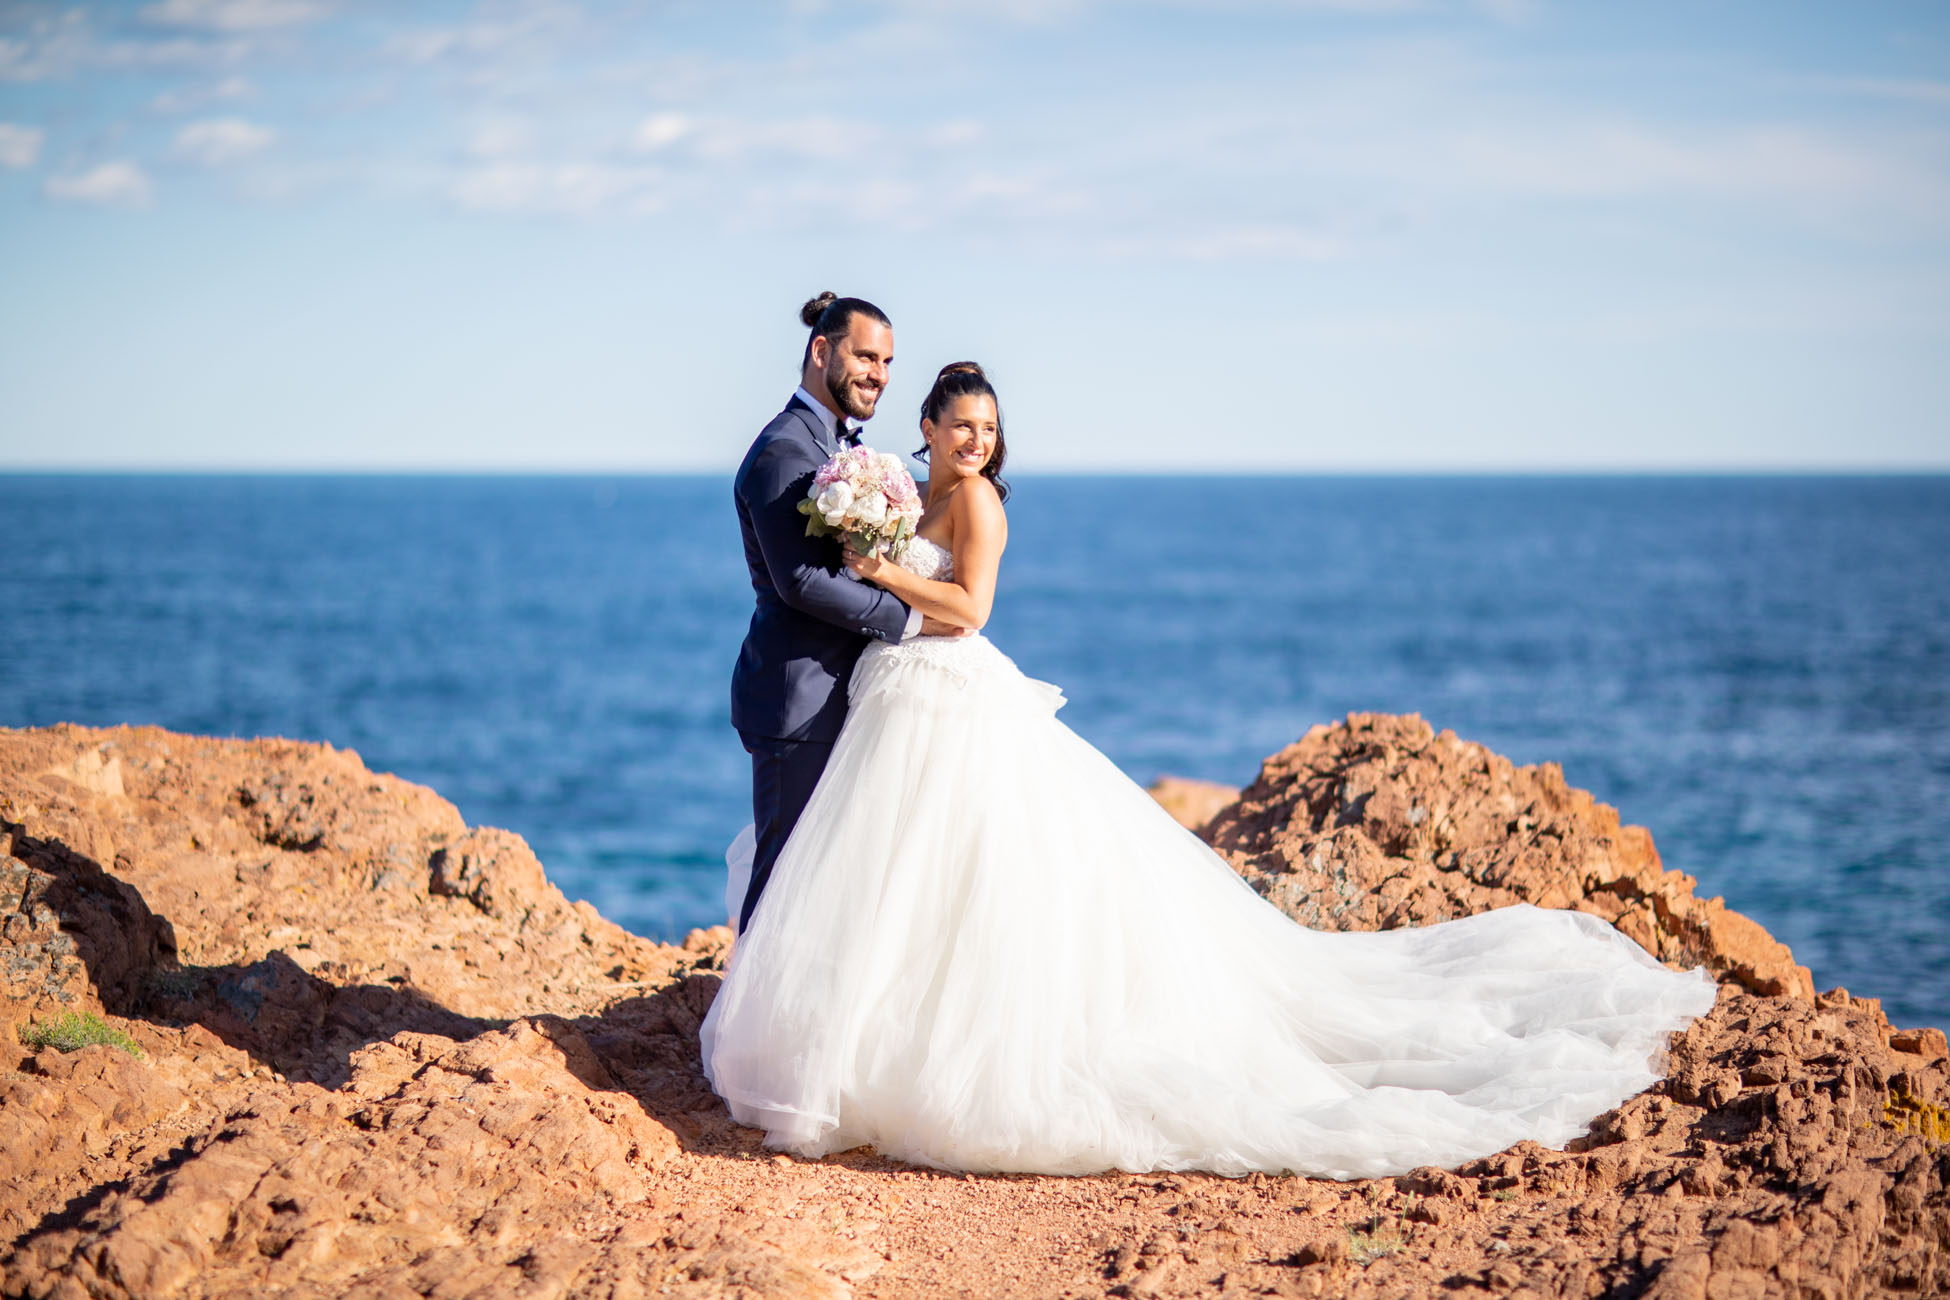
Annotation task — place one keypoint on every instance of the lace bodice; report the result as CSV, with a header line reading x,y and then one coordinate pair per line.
x,y
924,559
959,656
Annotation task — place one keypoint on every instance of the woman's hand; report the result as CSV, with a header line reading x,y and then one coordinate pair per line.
x,y
863,564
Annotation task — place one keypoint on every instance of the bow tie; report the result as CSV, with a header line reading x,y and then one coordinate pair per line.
x,y
848,437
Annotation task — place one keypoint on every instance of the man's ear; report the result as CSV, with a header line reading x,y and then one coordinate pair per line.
x,y
822,350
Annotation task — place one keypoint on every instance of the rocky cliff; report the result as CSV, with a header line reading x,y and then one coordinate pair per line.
x,y
362,1049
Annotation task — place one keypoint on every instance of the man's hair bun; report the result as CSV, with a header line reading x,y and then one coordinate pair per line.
x,y
830,316
816,307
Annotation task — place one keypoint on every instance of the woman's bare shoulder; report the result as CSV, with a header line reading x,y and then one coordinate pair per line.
x,y
977,498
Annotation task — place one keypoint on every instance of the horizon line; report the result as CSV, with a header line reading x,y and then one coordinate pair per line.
x,y
1923,470
1241,470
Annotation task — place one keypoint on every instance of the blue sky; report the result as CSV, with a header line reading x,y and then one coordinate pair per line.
x,y
1349,235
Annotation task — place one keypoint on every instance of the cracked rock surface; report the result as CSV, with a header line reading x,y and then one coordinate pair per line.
x,y
381,1055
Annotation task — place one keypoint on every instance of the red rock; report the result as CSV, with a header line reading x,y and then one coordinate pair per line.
x,y
1927,1043
1192,803
1379,822
383,1055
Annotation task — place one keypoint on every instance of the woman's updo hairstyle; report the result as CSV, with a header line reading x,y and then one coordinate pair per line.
x,y
965,379
829,317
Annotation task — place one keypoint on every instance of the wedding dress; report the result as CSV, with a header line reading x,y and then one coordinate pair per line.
x,y
985,948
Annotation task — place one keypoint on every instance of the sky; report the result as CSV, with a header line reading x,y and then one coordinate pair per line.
x,y
1290,235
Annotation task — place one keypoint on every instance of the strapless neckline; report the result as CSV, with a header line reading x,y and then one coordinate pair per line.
x,y
925,558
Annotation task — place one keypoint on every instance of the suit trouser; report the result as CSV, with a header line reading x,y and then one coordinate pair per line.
x,y
784,773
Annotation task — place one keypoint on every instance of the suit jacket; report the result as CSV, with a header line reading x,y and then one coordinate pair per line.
x,y
813,617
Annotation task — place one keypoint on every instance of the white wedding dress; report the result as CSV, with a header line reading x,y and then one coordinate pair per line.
x,y
985,948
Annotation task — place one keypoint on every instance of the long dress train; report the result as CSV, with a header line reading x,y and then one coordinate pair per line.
x,y
985,948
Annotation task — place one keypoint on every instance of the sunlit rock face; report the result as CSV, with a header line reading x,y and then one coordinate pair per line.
x,y
368,1050
1379,822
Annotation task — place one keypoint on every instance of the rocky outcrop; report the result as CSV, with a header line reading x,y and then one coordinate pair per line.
x,y
379,1054
1381,822
1192,804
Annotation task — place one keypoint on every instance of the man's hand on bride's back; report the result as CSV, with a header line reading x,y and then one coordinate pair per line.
x,y
935,627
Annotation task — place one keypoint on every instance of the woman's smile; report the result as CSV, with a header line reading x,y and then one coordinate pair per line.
x,y
965,436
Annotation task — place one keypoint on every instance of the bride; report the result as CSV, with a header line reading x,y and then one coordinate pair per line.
x,y
984,948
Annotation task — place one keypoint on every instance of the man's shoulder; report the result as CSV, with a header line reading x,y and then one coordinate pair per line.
x,y
788,426
784,444
788,419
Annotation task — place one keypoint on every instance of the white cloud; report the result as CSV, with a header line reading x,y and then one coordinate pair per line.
x,y
45,48
1262,243
1046,13
1820,170
20,146
572,189
54,48
525,29
421,46
118,184
816,137
1269,242
234,15
661,130
175,52
187,97
723,139
217,141
502,138
961,131
1337,147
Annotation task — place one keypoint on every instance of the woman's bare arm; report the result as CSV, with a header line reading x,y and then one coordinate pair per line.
x,y
980,531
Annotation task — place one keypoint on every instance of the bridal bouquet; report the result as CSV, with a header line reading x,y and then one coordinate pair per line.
x,y
867,497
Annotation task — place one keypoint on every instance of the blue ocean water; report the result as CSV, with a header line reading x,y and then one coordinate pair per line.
x,y
1758,669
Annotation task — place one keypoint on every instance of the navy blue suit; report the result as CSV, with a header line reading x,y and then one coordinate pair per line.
x,y
788,692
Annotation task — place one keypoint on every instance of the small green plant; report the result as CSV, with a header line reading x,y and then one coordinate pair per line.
x,y
1377,1239
73,1030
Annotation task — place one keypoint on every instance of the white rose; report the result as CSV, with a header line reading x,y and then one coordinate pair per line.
x,y
891,466
871,510
834,502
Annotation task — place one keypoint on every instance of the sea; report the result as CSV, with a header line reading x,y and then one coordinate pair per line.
x,y
1755,668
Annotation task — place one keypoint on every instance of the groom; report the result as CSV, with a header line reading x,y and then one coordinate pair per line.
x,y
788,692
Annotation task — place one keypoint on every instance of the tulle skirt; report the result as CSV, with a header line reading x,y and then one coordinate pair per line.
x,y
985,948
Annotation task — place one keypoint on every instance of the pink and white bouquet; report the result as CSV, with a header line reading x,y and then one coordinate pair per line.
x,y
867,497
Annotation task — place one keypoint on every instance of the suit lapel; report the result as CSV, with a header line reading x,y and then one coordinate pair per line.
x,y
814,425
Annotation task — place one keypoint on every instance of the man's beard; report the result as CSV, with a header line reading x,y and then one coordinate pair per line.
x,y
842,394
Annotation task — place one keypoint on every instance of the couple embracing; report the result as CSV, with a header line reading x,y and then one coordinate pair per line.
x,y
965,936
